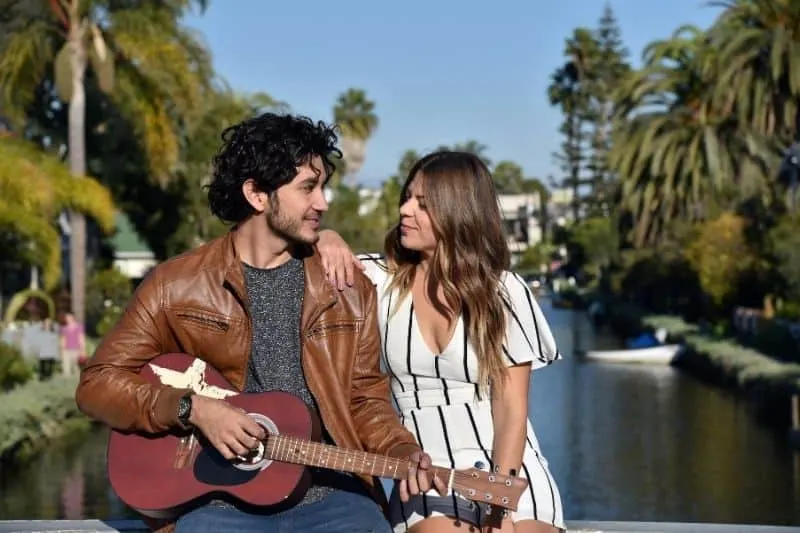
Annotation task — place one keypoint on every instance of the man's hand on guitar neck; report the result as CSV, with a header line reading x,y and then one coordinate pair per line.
x,y
227,428
419,478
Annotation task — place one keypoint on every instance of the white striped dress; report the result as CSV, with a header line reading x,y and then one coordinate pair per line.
x,y
439,401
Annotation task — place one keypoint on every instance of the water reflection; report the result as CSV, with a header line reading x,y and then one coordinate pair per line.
x,y
624,443
632,442
67,481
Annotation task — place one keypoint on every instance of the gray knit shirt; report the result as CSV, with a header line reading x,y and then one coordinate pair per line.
x,y
276,303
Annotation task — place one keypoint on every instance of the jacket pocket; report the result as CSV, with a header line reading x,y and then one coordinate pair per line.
x,y
333,328
204,319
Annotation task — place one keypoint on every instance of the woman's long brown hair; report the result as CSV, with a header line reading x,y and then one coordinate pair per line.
x,y
470,257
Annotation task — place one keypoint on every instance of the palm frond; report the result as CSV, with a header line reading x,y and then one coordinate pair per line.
x,y
23,63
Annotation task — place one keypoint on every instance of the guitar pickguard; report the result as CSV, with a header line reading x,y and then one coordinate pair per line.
x,y
194,379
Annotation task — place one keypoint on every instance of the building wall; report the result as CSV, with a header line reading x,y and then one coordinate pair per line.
x,y
134,266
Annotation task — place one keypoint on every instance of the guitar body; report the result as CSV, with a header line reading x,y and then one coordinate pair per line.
x,y
162,475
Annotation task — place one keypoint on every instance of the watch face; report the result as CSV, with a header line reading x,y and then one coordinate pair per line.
x,y
184,407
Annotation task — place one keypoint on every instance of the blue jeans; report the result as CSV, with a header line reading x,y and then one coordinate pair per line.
x,y
339,512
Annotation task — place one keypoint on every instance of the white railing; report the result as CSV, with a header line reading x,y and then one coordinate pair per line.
x,y
576,526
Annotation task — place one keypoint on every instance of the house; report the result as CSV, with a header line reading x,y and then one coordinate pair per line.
x,y
131,255
522,219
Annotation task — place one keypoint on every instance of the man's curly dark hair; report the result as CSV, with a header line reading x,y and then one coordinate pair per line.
x,y
267,148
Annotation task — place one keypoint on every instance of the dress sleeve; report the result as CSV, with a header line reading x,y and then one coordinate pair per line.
x,y
374,268
529,339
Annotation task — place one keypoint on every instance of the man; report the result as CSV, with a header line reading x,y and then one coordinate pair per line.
x,y
255,305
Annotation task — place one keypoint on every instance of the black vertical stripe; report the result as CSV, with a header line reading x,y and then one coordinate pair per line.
x,y
419,441
533,316
408,353
466,364
549,484
478,436
385,350
508,355
530,488
519,323
444,382
450,455
546,476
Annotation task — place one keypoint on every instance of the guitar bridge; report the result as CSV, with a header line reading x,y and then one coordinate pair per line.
x,y
185,452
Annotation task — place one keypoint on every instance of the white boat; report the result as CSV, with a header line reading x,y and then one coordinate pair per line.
x,y
655,355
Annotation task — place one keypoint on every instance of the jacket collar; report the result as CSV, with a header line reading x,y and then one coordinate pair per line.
x,y
318,293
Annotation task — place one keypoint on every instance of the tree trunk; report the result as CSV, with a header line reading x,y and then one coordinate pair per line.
x,y
77,162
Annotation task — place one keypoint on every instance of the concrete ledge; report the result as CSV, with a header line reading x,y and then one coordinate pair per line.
x,y
574,526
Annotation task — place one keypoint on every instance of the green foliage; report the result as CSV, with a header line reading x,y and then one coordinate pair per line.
x,y
744,366
721,256
593,243
789,311
784,241
659,280
107,294
534,257
35,413
354,113
34,188
14,369
18,301
774,338
364,233
585,89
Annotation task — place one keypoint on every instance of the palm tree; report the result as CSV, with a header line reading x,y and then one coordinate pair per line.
x,y
222,108
569,90
678,145
757,42
355,115
153,68
508,177
34,188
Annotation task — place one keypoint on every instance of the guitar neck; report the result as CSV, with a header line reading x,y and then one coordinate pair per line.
x,y
308,453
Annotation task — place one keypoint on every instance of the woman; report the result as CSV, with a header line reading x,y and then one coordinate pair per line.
x,y
460,335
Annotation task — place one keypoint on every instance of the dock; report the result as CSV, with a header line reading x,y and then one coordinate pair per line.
x,y
573,526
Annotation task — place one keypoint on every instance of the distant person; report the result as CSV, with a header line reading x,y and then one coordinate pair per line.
x,y
49,349
461,335
73,345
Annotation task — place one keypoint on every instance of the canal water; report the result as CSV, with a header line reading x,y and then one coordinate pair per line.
x,y
623,442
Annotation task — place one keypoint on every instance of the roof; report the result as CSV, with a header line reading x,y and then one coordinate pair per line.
x,y
126,239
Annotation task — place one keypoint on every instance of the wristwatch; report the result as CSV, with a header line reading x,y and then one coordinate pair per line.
x,y
185,408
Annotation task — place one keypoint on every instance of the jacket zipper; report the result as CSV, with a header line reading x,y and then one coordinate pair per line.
x,y
205,320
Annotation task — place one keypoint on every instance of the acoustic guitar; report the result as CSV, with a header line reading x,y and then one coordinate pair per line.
x,y
163,475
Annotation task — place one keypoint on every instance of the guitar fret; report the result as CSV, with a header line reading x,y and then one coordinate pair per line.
x,y
304,452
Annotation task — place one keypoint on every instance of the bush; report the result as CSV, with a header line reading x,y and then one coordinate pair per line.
x,y
14,369
721,255
36,413
735,363
774,338
659,280
107,294
784,240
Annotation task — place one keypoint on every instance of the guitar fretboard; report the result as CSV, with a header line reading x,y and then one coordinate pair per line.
x,y
308,453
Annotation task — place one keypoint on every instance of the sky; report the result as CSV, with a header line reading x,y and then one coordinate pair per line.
x,y
440,71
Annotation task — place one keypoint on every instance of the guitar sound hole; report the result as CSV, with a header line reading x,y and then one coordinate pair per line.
x,y
253,456
256,459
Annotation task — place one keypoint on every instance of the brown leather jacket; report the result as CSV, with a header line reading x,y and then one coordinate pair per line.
x,y
196,303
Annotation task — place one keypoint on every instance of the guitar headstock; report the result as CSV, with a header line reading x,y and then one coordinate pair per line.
x,y
489,487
